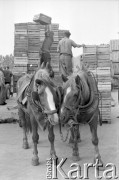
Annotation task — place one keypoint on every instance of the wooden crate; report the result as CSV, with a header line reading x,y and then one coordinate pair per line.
x,y
114,56
116,68
114,45
42,19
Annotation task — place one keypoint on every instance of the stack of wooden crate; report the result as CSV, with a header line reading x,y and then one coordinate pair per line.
x,y
98,60
114,56
29,38
53,50
34,46
20,48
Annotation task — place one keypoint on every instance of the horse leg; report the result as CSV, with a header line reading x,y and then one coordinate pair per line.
x,y
35,138
21,114
71,140
75,154
93,128
51,138
78,134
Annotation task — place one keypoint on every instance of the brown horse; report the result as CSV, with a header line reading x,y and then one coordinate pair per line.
x,y
37,108
80,105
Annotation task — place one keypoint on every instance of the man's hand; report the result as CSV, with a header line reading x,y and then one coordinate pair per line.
x,y
83,45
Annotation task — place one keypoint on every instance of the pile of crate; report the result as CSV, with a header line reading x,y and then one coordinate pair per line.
x,y
53,50
20,48
27,47
114,57
98,60
33,46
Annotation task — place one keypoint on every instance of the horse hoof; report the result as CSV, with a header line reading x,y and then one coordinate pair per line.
x,y
25,146
35,161
100,165
55,160
76,158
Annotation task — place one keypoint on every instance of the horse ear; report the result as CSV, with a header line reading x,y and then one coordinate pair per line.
x,y
42,65
47,65
77,79
64,78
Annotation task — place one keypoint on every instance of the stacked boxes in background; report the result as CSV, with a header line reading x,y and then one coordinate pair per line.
x,y
28,42
20,48
53,50
34,47
90,58
98,60
114,56
20,52
27,47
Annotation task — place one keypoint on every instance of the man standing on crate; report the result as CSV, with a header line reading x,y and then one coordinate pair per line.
x,y
65,49
45,56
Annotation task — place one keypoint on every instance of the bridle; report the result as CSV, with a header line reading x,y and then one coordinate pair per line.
x,y
74,109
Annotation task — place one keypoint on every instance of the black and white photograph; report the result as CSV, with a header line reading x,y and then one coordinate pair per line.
x,y
59,89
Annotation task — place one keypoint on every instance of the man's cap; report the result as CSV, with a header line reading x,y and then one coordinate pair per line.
x,y
67,33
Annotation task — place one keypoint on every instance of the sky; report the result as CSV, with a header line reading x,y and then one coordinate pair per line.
x,y
91,22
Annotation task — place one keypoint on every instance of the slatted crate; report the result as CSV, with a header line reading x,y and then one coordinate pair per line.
x,y
98,58
114,45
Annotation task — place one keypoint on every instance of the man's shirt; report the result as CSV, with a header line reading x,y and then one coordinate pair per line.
x,y
47,43
65,46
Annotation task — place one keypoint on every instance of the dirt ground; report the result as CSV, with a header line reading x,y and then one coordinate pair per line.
x,y
15,162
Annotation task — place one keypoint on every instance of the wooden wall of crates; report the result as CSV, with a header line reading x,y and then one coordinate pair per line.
x,y
28,39
114,57
98,59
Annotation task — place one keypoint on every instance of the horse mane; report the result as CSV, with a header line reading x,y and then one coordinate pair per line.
x,y
70,82
42,74
83,83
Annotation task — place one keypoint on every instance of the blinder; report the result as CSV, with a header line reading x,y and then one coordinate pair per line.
x,y
39,81
36,99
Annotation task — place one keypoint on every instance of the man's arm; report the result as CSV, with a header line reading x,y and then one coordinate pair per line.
x,y
77,45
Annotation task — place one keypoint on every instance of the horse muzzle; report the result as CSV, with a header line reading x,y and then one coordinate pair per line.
x,y
50,112
52,116
63,119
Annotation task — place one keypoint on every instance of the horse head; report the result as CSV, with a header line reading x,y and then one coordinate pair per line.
x,y
71,98
44,93
75,94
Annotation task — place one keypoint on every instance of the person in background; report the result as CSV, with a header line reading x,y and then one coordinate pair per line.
x,y
65,50
2,88
45,56
8,75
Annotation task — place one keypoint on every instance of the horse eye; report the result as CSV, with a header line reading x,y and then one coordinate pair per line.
x,y
37,85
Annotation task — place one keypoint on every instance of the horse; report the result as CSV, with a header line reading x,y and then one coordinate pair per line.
x,y
81,105
37,108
